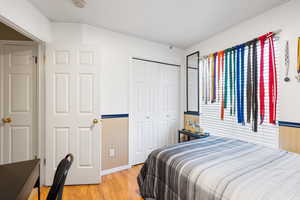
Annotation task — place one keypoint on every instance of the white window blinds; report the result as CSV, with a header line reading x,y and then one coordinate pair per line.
x,y
210,117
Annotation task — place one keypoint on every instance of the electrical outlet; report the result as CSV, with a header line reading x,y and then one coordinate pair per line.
x,y
111,152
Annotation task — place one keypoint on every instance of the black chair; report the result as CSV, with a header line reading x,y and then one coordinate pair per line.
x,y
60,176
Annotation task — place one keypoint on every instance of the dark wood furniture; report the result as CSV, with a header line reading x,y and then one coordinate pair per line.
x,y
190,135
18,179
57,188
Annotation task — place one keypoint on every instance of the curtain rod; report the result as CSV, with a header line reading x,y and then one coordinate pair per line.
x,y
273,33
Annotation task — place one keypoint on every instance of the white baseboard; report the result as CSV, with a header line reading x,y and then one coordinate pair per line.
x,y
113,170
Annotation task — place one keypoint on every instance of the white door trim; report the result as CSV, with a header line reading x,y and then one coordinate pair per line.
x,y
18,29
16,42
130,120
41,108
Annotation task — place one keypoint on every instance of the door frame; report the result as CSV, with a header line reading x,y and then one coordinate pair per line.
x,y
39,95
40,87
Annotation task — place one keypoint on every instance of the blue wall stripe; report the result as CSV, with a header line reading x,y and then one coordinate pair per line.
x,y
114,116
192,113
289,124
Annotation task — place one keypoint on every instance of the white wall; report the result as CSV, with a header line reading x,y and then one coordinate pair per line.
x,y
116,52
25,18
285,17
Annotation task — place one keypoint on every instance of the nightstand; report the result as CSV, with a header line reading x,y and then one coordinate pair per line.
x,y
190,135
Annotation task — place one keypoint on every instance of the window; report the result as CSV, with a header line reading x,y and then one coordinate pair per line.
x,y
210,121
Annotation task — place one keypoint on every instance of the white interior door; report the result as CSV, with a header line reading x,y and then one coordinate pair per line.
x,y
154,107
18,93
72,105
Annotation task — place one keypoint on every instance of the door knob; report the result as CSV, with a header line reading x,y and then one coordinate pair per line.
x,y
7,120
95,121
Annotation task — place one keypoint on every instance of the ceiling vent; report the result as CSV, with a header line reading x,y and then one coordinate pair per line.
x,y
80,3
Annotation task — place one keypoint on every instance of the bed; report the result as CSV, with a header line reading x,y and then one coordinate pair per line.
x,y
218,168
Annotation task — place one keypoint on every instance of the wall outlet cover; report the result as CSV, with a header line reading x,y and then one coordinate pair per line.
x,y
111,152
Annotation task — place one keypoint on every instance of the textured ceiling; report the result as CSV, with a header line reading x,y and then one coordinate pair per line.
x,y
181,23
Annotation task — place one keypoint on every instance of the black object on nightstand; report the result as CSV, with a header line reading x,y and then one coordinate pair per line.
x,y
190,135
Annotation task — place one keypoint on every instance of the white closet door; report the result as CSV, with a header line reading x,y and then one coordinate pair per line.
x,y
169,115
144,109
153,71
18,89
72,105
154,107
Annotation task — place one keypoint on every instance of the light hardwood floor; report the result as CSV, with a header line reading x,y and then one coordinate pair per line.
x,y
117,186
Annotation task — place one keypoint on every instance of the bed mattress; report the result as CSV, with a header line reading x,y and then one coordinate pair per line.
x,y
218,168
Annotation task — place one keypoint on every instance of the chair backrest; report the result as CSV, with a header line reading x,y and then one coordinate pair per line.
x,y
60,176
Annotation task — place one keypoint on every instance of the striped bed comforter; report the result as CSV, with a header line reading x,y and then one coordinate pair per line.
x,y
218,168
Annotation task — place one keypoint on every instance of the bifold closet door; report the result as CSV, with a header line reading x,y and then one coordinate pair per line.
x,y
154,107
145,108
169,105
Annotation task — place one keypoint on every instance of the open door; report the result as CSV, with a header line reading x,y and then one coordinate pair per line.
x,y
72,111
18,139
